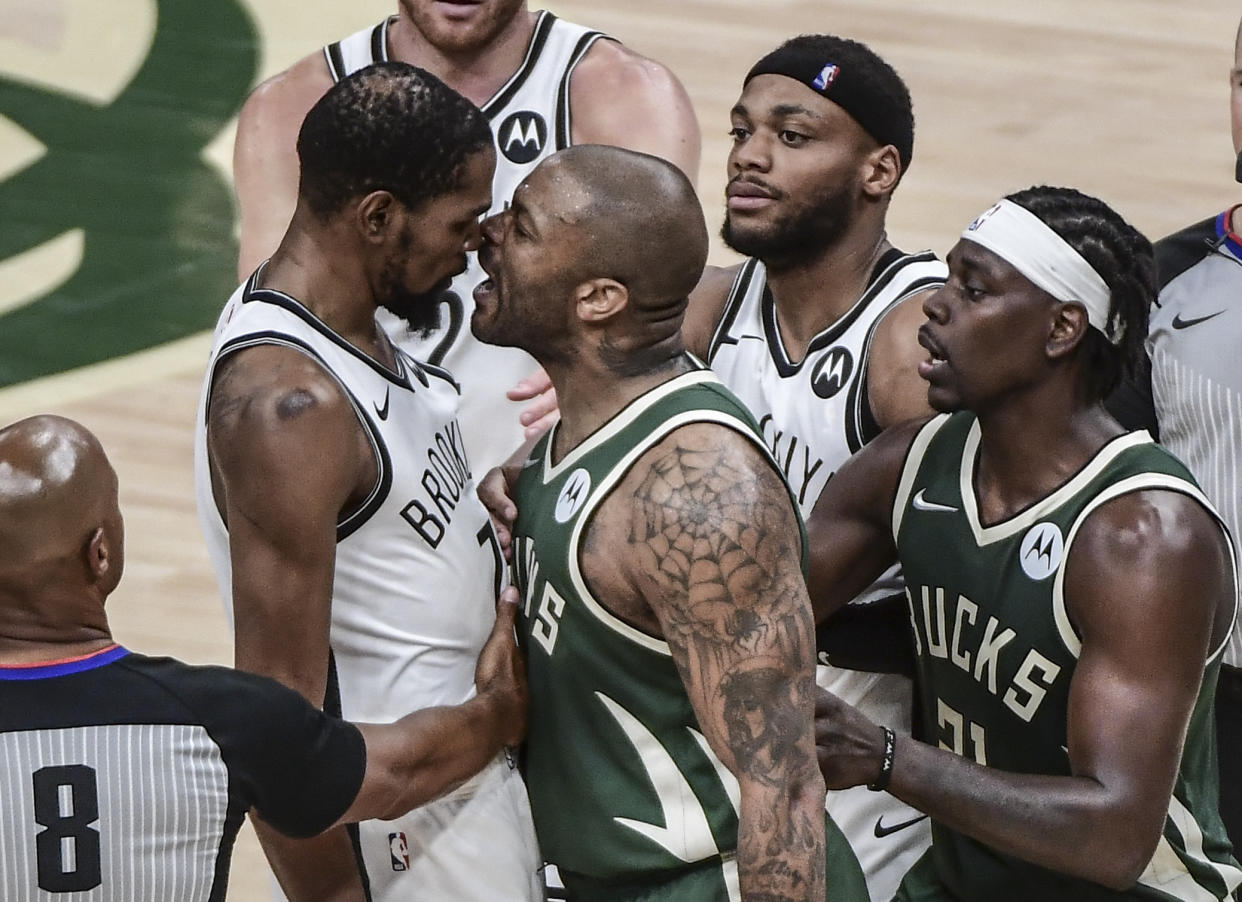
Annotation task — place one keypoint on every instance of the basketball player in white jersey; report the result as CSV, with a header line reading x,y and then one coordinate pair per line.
x,y
542,83
334,489
817,334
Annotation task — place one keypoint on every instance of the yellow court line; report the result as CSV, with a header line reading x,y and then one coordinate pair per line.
x,y
46,394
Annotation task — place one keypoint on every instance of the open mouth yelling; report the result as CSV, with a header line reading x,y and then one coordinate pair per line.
x,y
936,360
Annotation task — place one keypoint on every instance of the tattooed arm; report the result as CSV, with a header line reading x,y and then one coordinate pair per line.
x,y
287,454
711,555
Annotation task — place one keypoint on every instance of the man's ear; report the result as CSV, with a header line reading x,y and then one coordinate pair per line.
x,y
1069,327
99,555
377,216
599,300
881,169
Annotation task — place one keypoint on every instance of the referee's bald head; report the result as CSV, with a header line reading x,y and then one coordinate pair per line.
x,y
60,523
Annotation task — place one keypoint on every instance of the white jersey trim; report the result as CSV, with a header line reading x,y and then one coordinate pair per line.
x,y
628,415
1137,483
910,469
986,535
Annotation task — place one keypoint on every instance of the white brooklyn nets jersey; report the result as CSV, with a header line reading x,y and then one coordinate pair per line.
x,y
814,414
418,570
530,119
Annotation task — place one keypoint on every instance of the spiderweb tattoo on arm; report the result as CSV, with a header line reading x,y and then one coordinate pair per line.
x,y
726,546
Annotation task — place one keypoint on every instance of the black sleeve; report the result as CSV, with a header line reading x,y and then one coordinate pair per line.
x,y
299,768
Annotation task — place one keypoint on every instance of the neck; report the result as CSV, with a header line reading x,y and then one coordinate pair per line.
x,y
309,267
1018,465
23,641
589,392
1235,220
813,294
477,73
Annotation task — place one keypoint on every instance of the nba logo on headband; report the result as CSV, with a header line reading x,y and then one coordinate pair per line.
x,y
827,76
982,217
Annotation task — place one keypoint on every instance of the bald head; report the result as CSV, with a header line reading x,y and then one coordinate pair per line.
x,y
641,224
60,524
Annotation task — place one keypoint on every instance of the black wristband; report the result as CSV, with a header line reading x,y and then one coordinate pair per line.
x,y
886,765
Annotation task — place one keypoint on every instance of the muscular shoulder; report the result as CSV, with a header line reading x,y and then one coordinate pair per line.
x,y
1150,556
896,392
271,385
701,491
279,104
707,303
622,98
275,407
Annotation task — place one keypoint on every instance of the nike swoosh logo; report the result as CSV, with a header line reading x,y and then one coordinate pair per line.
x,y
922,504
1179,323
382,411
882,831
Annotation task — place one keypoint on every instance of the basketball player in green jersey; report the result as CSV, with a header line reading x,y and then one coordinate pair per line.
x,y
1070,589
670,638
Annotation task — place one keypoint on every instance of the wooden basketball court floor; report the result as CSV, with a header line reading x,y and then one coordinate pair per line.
x,y
1127,99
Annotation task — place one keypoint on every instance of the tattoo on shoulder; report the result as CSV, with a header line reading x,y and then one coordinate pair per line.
x,y
728,552
229,399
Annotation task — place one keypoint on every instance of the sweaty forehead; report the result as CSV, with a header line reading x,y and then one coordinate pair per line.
x,y
554,190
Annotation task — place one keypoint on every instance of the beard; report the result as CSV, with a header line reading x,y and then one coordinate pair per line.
x,y
463,39
419,310
801,235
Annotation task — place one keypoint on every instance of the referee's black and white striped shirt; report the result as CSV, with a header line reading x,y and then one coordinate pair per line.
x,y
126,777
1195,392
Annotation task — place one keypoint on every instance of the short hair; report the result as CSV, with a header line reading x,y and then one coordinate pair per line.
x,y
855,78
392,127
1124,260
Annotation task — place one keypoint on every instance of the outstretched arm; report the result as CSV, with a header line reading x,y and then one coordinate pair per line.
x,y
432,751
1149,585
850,529
711,542
287,455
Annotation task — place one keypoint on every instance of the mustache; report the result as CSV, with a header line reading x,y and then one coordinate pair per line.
x,y
771,190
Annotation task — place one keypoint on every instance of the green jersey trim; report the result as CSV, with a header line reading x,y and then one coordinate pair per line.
x,y
1137,483
609,482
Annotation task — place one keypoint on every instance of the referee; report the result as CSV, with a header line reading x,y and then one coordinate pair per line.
x,y
127,777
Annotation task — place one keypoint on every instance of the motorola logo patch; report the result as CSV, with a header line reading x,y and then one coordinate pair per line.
x,y
573,495
522,136
1042,548
832,372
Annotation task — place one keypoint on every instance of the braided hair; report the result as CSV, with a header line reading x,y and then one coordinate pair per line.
x,y
1124,260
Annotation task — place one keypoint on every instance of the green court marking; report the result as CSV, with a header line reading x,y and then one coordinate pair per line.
x,y
159,257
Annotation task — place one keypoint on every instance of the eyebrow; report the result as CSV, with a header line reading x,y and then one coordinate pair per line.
x,y
781,109
794,109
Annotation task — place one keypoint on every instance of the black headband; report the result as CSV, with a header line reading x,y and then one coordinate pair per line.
x,y
840,76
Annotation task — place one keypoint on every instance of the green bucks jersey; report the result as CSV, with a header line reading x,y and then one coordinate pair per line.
x,y
624,788
997,650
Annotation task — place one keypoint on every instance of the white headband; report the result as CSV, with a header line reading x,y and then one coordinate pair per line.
x,y
1026,243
